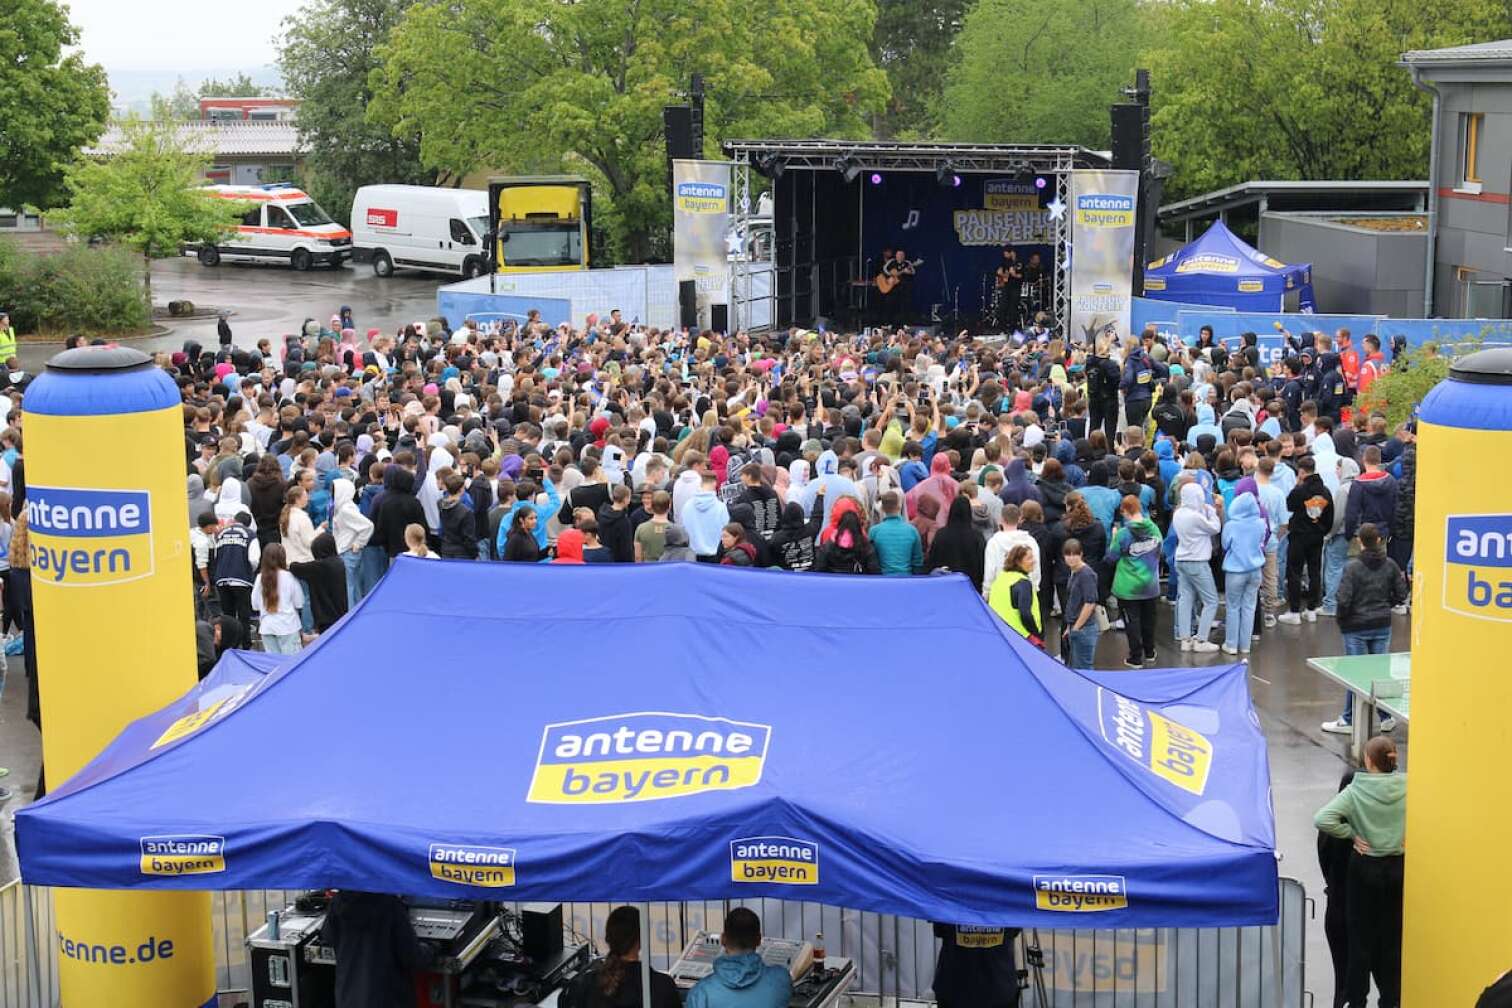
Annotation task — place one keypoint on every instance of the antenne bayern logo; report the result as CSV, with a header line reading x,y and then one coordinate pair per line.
x,y
89,537
644,756
1478,566
779,859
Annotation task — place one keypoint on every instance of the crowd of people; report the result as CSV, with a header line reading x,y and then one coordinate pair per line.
x,y
1076,486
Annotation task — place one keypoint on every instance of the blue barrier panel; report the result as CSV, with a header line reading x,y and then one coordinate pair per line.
x,y
1227,326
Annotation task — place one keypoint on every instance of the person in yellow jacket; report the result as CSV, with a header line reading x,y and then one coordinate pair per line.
x,y
7,339
1014,599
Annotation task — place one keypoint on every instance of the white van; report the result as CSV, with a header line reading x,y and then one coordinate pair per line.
x,y
283,224
420,227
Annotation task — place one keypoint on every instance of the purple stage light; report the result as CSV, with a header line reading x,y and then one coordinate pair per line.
x,y
1040,182
955,180
876,178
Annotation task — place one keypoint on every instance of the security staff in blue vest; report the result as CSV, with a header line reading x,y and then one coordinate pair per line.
x,y
976,968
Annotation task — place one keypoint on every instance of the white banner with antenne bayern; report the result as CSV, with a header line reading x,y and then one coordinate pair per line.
x,y
1103,208
700,223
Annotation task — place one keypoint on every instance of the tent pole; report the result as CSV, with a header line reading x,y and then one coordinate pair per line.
x,y
645,971
33,953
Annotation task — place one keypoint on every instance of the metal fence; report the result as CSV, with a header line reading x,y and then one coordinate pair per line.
x,y
1252,967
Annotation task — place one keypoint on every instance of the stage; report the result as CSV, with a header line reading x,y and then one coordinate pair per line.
x,y
950,208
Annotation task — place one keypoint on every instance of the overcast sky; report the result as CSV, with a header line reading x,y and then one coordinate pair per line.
x,y
179,35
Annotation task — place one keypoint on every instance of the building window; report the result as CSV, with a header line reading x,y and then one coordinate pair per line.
x,y
1471,124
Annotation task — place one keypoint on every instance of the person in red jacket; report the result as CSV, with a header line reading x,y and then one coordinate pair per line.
x,y
1374,364
1349,358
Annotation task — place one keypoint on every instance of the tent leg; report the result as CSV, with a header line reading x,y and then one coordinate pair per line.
x,y
645,971
1278,989
33,953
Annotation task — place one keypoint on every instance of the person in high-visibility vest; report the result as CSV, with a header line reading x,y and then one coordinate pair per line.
x,y
1013,596
7,339
1374,364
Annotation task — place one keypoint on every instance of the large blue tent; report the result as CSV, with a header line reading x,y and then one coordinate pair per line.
x,y
682,731
1221,269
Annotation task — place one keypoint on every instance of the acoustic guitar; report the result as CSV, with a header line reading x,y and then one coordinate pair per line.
x,y
886,281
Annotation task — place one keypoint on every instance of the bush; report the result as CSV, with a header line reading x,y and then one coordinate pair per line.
x,y
1397,392
80,289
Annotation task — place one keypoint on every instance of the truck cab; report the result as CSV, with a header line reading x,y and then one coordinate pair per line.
x,y
541,223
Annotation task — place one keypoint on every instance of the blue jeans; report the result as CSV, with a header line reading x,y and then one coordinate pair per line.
x,y
1335,555
1196,583
1083,645
1241,591
1168,550
1361,642
374,563
353,563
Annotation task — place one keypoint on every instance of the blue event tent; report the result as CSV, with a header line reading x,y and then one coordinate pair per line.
x,y
682,731
1220,269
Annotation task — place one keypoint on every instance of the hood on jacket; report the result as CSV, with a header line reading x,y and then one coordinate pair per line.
x,y
1204,413
676,535
397,479
343,491
323,547
1244,506
1065,452
1193,496
1164,450
569,548
738,972
792,516
828,464
1380,790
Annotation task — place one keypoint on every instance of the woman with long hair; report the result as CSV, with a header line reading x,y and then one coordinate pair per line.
x,y
266,486
615,980
278,598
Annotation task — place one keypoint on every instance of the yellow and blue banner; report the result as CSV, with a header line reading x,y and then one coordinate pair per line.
x,y
1103,208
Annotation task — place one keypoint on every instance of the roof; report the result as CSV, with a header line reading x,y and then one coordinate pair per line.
x,y
896,156
920,757
1318,194
1480,52
224,138
260,193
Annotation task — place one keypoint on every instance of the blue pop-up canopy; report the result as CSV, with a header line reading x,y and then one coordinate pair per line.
x,y
682,731
1221,269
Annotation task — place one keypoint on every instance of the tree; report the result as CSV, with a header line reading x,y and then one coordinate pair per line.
x,y
1040,71
50,105
181,104
527,84
147,196
913,43
1299,89
327,57
240,86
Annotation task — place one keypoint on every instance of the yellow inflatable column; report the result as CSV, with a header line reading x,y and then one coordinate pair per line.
x,y
110,562
1457,926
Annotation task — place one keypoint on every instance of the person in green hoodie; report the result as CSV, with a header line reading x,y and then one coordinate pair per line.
x,y
1136,579
1372,813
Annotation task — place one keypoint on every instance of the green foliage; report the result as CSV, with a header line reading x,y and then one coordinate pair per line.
x,y
912,43
240,86
1299,89
522,85
1041,71
326,59
81,289
1397,392
50,105
147,196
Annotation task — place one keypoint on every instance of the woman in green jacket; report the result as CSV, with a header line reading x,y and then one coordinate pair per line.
x,y
1372,812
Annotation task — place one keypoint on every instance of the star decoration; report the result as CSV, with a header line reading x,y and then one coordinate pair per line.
x,y
1057,207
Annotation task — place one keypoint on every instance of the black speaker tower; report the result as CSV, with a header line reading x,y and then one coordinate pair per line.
x,y
1131,151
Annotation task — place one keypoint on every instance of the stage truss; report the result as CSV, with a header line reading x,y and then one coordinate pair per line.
x,y
962,159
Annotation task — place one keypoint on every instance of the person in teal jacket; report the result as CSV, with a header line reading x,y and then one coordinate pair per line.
x,y
1372,812
1135,550
899,550
543,512
740,979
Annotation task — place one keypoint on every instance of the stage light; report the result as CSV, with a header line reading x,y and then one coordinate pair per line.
x,y
955,180
876,178
945,176
849,167
770,165
1040,182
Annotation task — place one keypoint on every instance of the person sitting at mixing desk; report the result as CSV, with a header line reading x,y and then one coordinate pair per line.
x,y
376,950
976,967
740,979
615,980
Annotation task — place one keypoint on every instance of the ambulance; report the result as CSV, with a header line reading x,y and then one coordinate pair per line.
x,y
283,224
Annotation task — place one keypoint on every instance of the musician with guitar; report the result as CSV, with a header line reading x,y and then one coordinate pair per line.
x,y
1008,286
895,284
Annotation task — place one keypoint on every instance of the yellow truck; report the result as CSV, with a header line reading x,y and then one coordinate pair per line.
x,y
540,222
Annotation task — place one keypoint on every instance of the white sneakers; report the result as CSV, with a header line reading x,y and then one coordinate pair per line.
x,y
1290,618
1230,650
1186,643
1311,615
1270,620
1339,727
1204,647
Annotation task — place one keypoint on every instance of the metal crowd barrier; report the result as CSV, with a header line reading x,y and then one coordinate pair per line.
x,y
1145,968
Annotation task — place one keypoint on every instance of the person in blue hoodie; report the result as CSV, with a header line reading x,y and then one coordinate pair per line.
x,y
705,518
827,481
1244,535
526,491
740,979
1205,425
